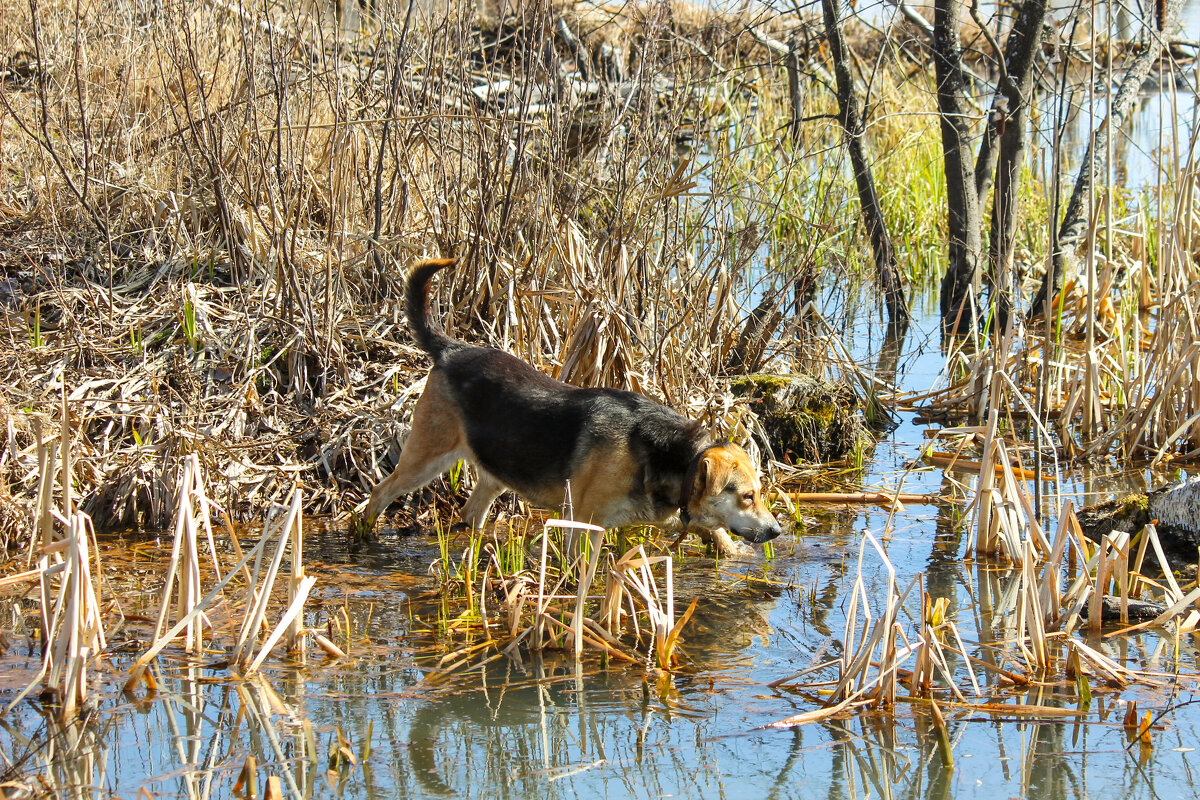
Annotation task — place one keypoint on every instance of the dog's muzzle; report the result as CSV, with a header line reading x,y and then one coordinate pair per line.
x,y
761,533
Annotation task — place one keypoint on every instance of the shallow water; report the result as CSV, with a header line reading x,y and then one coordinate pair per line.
x,y
545,728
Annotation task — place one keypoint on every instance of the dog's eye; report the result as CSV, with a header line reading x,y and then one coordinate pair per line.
x,y
731,488
748,497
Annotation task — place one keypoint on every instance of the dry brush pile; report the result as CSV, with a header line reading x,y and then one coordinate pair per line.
x,y
208,208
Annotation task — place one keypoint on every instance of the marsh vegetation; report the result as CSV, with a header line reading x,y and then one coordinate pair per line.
x,y
938,217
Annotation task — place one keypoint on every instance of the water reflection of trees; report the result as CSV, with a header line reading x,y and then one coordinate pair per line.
x,y
68,759
880,756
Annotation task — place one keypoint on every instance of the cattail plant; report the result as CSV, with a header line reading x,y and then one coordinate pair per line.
x,y
70,621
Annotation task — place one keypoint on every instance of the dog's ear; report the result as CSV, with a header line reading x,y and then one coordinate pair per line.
x,y
712,473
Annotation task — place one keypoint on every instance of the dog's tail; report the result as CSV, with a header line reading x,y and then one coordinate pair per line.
x,y
429,336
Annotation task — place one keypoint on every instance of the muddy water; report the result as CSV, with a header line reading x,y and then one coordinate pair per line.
x,y
544,728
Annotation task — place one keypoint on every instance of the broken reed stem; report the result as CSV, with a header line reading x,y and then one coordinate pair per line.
x,y
589,545
296,588
177,549
75,629
258,597
71,627
860,654
290,620
138,669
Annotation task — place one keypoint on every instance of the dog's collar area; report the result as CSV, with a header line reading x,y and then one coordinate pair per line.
x,y
689,483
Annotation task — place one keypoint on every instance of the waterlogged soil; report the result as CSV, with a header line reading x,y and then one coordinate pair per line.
x,y
387,723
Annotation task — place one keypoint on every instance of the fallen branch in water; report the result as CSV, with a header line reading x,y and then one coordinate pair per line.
x,y
950,461
874,498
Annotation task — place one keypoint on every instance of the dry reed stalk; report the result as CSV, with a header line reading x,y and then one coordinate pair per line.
x,y
184,563
817,715
290,620
297,591
45,522
79,635
1104,666
1004,519
287,531
70,622
138,671
1032,614
952,462
282,532
983,537
330,649
1050,587
538,629
860,653
71,618
588,551
634,570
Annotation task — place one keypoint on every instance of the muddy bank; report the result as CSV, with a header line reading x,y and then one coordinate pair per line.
x,y
803,419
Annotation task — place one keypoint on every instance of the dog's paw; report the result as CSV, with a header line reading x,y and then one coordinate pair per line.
x,y
737,551
727,546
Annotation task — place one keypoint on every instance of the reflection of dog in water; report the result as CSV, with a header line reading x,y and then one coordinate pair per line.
x,y
628,459
486,725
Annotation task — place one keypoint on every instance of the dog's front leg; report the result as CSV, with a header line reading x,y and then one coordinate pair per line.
x,y
725,545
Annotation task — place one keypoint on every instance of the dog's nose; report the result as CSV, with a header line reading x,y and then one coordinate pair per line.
x,y
770,532
762,534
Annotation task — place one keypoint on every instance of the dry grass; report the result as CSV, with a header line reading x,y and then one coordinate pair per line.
x,y
1030,640
208,212
572,592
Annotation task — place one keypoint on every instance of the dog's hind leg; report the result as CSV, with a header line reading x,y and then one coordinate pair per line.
x,y
487,489
435,443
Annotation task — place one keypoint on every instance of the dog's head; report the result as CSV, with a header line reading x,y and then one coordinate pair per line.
x,y
723,490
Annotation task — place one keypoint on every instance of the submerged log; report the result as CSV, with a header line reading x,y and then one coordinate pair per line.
x,y
805,419
1137,610
1176,509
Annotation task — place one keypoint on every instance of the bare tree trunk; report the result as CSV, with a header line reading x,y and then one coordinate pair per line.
x,y
1005,205
1008,120
1014,88
1075,223
795,87
960,286
868,198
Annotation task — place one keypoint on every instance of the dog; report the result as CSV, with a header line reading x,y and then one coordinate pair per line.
x,y
628,460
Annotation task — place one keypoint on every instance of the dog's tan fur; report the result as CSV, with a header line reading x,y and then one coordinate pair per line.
x,y
628,460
